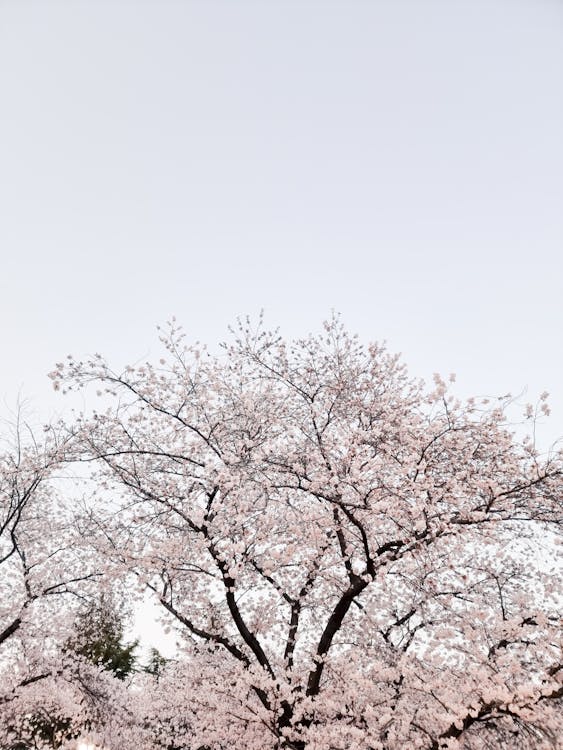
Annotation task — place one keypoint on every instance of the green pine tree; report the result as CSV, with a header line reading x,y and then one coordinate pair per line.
x,y
99,638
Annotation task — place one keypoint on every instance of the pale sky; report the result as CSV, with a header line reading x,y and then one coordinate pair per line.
x,y
399,162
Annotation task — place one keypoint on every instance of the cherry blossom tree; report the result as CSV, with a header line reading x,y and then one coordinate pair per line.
x,y
46,573
356,561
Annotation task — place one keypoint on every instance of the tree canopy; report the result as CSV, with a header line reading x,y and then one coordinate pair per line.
x,y
355,561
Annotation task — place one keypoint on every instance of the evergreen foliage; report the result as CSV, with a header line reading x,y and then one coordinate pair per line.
x,y
99,638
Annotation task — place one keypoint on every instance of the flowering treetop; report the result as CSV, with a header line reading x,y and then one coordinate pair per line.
x,y
355,560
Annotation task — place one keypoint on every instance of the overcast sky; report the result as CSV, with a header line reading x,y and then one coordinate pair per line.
x,y
399,162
